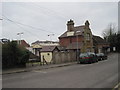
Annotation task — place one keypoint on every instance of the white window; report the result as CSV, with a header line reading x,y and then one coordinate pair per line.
x,y
87,36
88,50
99,50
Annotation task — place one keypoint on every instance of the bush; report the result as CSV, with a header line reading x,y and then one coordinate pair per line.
x,y
14,55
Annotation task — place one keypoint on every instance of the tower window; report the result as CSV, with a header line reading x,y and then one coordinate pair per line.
x,y
87,36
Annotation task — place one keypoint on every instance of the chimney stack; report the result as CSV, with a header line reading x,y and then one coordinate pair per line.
x,y
87,23
70,25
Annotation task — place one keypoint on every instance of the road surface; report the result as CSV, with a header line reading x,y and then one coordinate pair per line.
x,y
103,74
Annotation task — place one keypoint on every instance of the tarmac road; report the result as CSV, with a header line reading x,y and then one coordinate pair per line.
x,y
103,74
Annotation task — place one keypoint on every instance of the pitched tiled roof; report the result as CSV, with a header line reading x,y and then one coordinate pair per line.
x,y
37,42
80,28
23,43
76,29
99,40
61,48
48,48
75,45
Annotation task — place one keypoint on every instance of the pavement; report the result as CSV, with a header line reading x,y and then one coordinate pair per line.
x,y
102,74
35,67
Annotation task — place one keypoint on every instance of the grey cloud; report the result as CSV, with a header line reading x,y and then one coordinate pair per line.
x,y
53,17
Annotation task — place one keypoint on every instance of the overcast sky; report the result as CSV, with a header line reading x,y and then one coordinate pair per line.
x,y
39,19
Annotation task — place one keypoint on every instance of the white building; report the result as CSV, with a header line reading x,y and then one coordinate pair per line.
x,y
37,46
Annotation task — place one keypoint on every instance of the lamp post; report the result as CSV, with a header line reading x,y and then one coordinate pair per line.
x,y
49,35
77,44
19,41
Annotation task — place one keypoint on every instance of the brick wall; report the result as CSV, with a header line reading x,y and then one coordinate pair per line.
x,y
68,40
24,44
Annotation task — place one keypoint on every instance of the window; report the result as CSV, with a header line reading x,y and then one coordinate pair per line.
x,y
87,36
88,50
48,54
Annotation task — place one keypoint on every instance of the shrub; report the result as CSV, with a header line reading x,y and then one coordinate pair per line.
x,y
13,55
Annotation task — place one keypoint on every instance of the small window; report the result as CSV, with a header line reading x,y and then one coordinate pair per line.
x,y
87,36
88,50
48,54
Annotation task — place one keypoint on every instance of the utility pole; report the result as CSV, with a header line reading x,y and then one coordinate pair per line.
x,y
50,40
19,41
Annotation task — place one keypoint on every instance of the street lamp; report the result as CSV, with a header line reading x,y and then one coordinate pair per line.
x,y
77,42
19,41
50,36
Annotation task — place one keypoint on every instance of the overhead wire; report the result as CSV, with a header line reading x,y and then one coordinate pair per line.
x,y
46,11
35,35
38,28
56,13
29,25
32,27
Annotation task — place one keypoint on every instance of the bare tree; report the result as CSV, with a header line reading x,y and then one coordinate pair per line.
x,y
109,31
110,35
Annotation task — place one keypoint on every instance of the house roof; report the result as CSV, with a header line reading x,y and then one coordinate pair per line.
x,y
37,42
75,45
78,30
23,43
4,40
48,48
61,48
99,40
36,46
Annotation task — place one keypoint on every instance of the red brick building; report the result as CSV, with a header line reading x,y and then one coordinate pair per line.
x,y
22,43
100,45
77,37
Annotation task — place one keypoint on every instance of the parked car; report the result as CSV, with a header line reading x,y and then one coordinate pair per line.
x,y
101,56
88,57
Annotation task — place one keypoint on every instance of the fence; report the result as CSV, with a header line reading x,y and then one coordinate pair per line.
x,y
62,57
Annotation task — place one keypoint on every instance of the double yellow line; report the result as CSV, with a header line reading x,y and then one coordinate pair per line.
x,y
117,87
